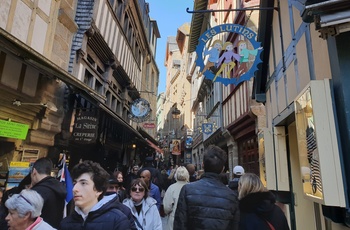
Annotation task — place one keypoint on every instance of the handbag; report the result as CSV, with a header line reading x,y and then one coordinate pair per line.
x,y
270,225
139,225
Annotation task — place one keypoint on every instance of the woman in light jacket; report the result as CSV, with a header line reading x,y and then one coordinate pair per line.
x,y
143,208
171,196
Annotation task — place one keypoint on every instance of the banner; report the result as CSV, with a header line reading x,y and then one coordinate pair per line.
x,y
65,178
176,147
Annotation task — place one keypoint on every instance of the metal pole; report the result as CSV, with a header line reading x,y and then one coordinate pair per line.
x,y
227,10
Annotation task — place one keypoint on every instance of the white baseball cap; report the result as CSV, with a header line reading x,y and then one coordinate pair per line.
x,y
238,170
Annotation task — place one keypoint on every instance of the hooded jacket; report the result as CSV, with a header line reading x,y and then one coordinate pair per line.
x,y
206,204
124,209
54,194
258,207
105,215
149,217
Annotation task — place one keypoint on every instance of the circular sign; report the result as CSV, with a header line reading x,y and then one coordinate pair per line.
x,y
140,110
220,61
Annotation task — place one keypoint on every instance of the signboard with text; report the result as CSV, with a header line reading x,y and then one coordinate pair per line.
x,y
226,61
140,110
14,130
149,125
85,128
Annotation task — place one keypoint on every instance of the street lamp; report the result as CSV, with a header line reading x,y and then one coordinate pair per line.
x,y
176,113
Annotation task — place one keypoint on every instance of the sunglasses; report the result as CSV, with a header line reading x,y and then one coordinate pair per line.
x,y
134,189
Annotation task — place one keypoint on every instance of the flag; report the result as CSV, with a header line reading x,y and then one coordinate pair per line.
x,y
66,179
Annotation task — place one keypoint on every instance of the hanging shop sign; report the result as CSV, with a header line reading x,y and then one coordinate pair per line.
x,y
140,110
188,157
175,147
14,130
149,125
189,141
224,64
85,127
207,128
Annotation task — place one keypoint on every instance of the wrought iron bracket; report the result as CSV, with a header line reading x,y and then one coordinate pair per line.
x,y
227,10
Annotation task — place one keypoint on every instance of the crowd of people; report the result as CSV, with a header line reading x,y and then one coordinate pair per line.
x,y
183,197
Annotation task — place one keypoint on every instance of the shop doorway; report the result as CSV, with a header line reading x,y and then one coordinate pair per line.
x,y
248,150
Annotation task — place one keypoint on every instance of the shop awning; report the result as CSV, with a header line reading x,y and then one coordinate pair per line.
x,y
155,147
120,120
197,24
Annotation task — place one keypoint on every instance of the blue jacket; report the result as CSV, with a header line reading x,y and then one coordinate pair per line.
x,y
105,215
207,204
155,194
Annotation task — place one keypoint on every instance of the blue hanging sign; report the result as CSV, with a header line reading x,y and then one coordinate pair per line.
x,y
237,66
207,128
140,110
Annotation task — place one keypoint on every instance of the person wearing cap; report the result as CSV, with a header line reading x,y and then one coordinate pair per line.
x,y
238,171
112,192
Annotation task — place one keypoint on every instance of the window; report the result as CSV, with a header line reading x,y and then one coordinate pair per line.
x,y
109,98
119,8
126,24
100,71
88,78
99,87
91,60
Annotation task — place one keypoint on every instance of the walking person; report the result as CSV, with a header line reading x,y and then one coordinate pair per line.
x,y
133,174
172,195
191,168
208,203
92,210
24,211
112,191
238,171
120,189
155,173
51,190
143,207
257,206
153,189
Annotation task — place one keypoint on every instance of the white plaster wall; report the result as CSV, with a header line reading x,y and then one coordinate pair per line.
x,y
21,21
39,34
4,11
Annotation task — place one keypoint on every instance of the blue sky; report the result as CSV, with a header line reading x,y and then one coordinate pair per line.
x,y
169,14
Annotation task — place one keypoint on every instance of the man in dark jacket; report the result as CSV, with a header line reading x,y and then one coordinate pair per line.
x,y
208,203
52,191
155,174
112,190
93,210
238,171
